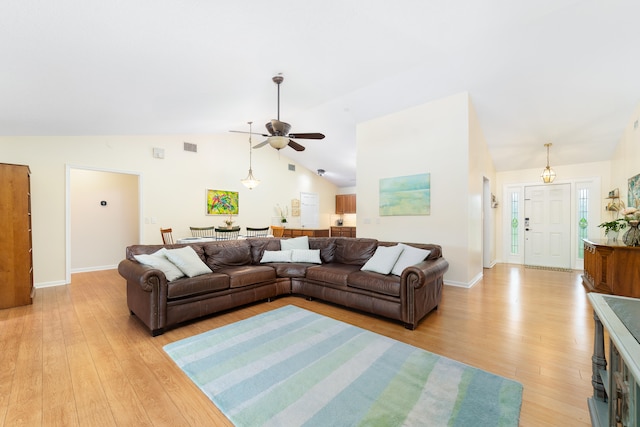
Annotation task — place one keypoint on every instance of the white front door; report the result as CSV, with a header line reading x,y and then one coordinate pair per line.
x,y
547,225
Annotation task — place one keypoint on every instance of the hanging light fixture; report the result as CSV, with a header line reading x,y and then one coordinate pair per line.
x,y
548,175
250,181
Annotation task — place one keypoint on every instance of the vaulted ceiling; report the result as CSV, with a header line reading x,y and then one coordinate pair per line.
x,y
560,71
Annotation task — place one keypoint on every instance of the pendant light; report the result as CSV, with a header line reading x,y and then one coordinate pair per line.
x,y
250,181
548,175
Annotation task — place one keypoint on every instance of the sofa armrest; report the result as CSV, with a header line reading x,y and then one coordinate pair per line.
x,y
145,276
421,289
425,272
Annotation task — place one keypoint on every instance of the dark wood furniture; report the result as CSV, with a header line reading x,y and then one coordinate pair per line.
x,y
343,231
226,233
16,262
345,204
311,232
611,268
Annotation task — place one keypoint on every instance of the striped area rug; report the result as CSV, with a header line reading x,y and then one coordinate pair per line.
x,y
293,367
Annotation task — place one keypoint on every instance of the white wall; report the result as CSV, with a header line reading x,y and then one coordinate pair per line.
x,y
172,190
626,158
431,138
115,225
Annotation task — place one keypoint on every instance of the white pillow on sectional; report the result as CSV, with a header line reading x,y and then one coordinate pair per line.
x,y
159,260
409,256
383,259
311,256
187,260
276,256
295,243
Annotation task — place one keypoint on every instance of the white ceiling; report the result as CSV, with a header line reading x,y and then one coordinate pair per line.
x,y
560,71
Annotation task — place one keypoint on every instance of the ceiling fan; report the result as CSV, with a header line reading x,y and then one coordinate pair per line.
x,y
279,136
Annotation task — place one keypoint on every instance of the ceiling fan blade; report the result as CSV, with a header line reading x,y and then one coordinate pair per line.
x,y
252,133
295,145
262,144
306,135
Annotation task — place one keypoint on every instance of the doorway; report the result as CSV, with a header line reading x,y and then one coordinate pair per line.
x,y
547,225
103,213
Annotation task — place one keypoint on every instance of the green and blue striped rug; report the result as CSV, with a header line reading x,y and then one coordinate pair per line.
x,y
293,367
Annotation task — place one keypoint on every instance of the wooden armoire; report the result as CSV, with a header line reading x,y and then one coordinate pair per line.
x,y
16,261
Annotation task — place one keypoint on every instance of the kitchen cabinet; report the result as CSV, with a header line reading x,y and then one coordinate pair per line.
x,y
343,232
345,204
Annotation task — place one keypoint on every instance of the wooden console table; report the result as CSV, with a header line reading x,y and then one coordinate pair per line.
x,y
616,391
611,268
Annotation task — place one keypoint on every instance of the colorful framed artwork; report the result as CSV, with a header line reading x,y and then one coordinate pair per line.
x,y
633,193
220,202
405,195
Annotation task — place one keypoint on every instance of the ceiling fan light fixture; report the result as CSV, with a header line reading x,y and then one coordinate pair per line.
x,y
548,175
278,142
250,181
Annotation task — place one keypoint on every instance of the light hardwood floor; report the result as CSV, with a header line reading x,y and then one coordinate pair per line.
x,y
77,358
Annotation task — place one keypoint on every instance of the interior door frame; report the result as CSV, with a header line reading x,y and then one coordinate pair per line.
x,y
68,168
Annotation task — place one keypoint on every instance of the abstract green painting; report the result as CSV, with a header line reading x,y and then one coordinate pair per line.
x,y
405,195
221,202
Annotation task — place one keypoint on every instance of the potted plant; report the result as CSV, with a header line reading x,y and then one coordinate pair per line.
x,y
612,228
229,221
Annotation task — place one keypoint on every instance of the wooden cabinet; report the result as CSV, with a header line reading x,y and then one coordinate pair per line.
x,y
611,268
311,232
345,204
16,261
343,232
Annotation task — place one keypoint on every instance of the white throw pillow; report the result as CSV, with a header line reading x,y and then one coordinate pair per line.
x,y
383,259
276,256
159,260
306,255
187,260
295,243
409,256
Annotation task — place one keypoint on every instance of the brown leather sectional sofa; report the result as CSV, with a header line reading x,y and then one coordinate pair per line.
x,y
238,278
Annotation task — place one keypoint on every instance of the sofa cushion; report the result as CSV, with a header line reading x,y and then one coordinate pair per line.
x,y
383,259
259,245
311,256
227,253
379,283
160,261
354,251
187,260
301,242
409,256
203,284
276,256
335,274
246,275
290,269
327,246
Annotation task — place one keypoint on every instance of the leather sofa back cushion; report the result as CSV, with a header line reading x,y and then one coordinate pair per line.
x,y
327,246
354,251
259,245
227,253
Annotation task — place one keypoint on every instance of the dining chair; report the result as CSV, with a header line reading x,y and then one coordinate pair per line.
x,y
203,231
257,232
227,233
277,231
167,236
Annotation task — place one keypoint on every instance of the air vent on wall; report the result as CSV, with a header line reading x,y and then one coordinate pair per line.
x,y
190,147
292,167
